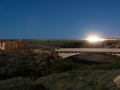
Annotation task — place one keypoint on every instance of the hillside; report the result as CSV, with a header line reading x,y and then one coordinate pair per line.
x,y
82,80
88,71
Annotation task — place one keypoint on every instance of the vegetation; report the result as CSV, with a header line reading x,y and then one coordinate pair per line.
x,y
20,83
26,70
51,44
83,80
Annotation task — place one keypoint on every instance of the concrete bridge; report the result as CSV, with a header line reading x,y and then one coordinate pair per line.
x,y
66,52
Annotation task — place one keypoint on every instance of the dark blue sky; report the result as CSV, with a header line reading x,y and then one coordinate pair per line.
x,y
59,19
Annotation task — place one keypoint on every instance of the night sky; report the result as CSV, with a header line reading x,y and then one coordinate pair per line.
x,y
59,19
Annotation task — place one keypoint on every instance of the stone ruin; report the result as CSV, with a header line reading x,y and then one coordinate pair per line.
x,y
12,45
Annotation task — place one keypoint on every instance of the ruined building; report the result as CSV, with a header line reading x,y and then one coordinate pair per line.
x,y
12,45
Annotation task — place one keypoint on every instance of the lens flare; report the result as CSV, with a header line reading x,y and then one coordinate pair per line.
x,y
94,39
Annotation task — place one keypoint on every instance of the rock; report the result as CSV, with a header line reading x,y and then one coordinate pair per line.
x,y
117,81
80,77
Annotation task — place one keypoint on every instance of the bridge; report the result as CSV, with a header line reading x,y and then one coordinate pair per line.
x,y
66,52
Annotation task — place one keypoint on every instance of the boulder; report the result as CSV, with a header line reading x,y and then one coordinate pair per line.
x,y
117,81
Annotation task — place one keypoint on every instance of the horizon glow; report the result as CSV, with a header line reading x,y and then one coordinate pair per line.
x,y
94,39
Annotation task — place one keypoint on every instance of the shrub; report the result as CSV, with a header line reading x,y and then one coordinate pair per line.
x,y
20,83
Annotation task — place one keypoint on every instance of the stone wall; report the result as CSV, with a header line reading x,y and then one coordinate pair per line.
x,y
1,45
19,45
8,45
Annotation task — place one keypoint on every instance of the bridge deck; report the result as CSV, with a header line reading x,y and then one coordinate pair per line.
x,y
88,50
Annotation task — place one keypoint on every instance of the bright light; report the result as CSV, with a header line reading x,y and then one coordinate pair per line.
x,y
94,39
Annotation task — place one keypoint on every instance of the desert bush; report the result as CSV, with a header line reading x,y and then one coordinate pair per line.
x,y
63,66
20,83
18,64
85,80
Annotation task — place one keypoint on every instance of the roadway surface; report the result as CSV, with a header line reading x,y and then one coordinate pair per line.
x,y
88,50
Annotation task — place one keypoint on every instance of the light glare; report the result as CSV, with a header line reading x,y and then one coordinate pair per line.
x,y
94,39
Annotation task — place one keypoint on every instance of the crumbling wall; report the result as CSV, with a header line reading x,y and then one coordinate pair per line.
x,y
8,45
19,45
1,45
